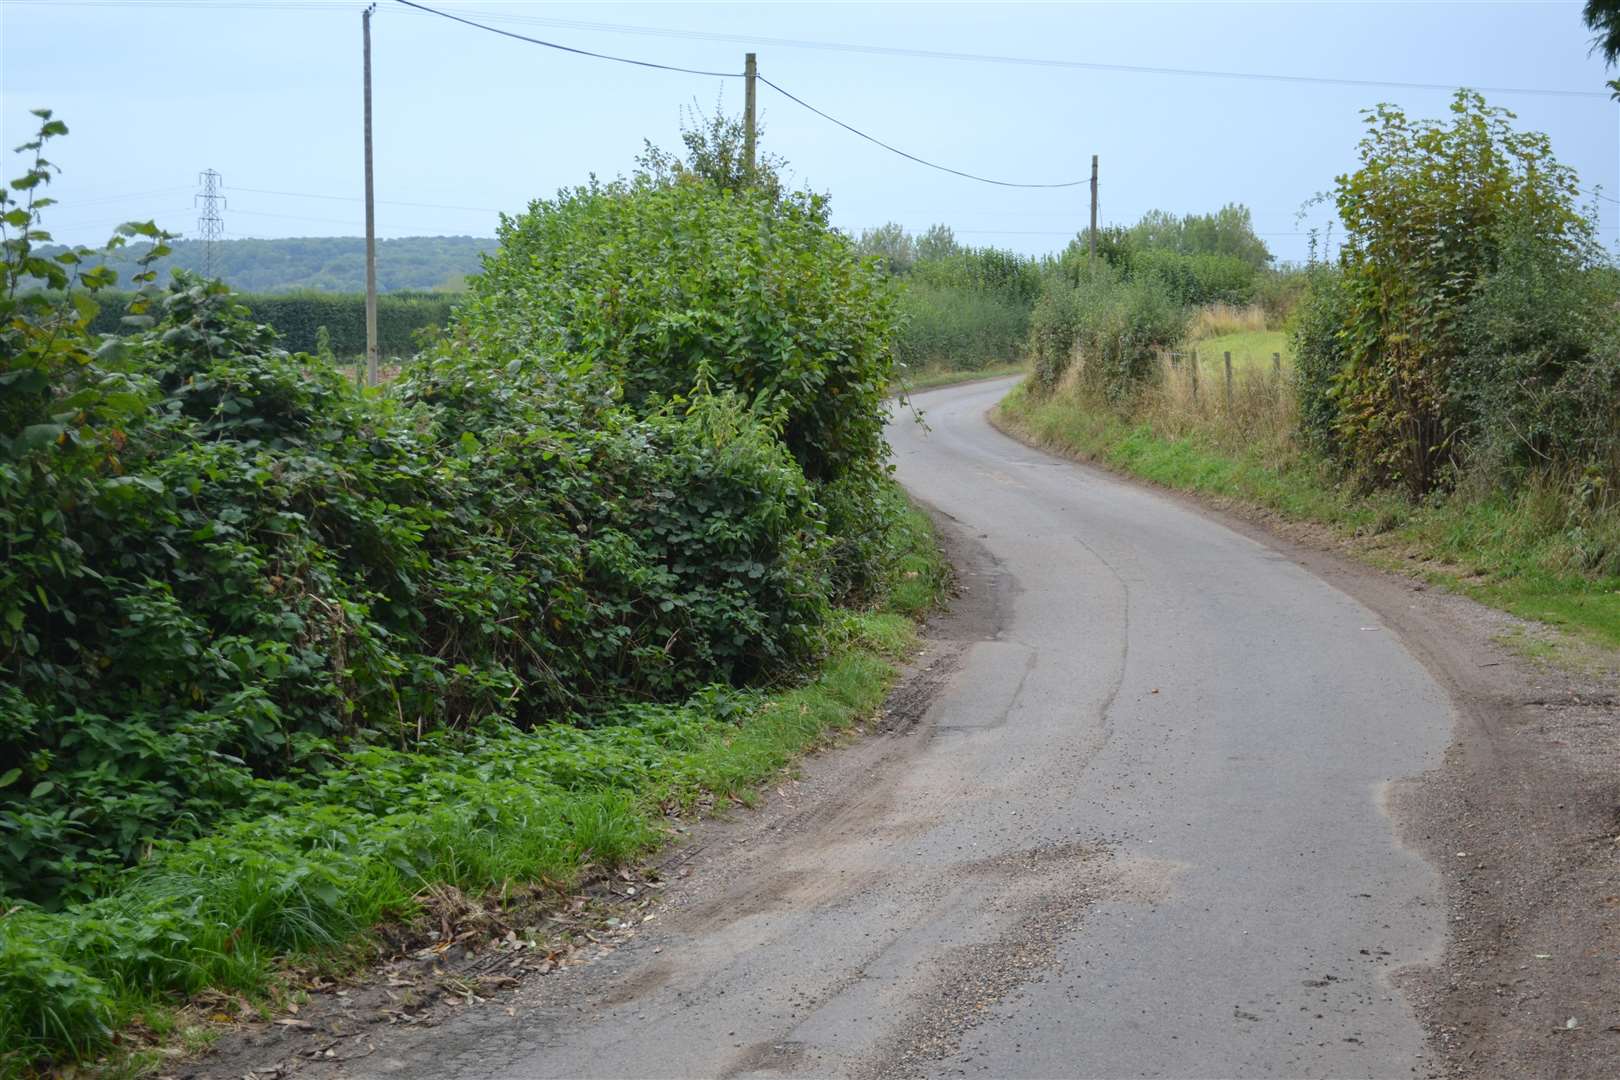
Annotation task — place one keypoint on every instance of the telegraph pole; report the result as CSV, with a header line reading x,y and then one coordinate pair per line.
x,y
371,215
750,73
210,226
1091,261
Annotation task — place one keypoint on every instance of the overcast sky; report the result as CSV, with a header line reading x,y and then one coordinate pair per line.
x,y
269,95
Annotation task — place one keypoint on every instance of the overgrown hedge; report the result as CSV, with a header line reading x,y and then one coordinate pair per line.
x,y
297,318
268,564
672,287
959,327
1113,329
278,651
646,460
1472,322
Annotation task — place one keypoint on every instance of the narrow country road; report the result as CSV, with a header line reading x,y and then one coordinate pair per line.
x,y
1139,830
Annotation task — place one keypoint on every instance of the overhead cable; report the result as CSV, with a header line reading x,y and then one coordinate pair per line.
x,y
1026,61
910,157
570,48
729,74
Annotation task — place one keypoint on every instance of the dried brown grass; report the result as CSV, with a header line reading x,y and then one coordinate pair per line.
x,y
1259,407
1215,320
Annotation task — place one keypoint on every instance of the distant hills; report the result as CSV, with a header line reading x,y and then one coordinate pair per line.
x,y
323,263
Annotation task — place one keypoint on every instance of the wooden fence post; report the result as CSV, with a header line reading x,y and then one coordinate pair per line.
x,y
1193,368
1228,358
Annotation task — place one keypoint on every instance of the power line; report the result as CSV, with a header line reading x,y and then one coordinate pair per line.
x,y
896,150
570,48
357,198
1026,61
804,43
722,74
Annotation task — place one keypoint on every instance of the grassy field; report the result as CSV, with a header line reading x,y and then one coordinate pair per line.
x,y
1515,552
1249,348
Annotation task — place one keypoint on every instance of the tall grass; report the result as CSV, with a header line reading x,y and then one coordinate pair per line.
x,y
1214,320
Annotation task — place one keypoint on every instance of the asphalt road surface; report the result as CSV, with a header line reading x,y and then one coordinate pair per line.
x,y
1139,830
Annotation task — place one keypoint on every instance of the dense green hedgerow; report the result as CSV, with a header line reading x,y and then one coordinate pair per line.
x,y
279,651
1114,329
307,866
226,563
1472,310
273,560
668,286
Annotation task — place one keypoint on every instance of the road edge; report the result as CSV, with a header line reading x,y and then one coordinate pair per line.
x,y
1511,861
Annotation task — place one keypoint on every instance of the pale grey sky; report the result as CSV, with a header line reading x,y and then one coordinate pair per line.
x,y
268,93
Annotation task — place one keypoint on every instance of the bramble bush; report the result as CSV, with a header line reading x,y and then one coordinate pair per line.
x,y
277,561
279,651
226,563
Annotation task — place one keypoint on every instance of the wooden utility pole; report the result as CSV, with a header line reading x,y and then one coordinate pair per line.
x,y
1092,259
750,73
371,216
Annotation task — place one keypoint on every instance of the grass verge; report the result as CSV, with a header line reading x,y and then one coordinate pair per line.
x,y
1518,552
363,843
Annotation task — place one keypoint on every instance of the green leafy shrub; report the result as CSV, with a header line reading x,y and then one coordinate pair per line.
x,y
1116,329
959,327
280,652
663,286
1320,357
1538,379
1196,279
281,560
1280,293
1426,218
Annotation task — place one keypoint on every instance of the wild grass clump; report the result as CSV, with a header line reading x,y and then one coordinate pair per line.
x,y
1216,320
